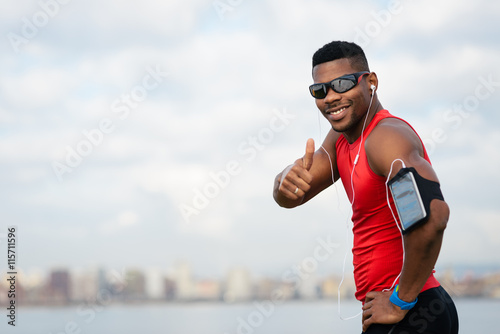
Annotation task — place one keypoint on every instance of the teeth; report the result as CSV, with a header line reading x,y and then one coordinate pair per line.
x,y
338,111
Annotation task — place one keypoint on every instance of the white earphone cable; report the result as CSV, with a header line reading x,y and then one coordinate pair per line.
x,y
352,203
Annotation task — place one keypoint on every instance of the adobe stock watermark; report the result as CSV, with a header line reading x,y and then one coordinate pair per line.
x,y
224,6
30,26
454,116
381,19
248,150
423,316
295,275
122,107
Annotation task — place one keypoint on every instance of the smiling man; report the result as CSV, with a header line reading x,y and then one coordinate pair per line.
x,y
367,147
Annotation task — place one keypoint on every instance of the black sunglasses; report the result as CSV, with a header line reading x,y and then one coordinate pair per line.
x,y
339,85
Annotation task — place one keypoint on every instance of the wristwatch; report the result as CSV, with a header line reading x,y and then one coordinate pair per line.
x,y
401,303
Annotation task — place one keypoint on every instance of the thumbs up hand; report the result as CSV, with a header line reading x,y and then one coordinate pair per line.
x,y
296,179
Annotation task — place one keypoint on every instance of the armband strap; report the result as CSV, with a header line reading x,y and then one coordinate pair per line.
x,y
401,303
428,189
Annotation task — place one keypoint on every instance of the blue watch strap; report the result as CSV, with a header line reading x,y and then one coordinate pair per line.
x,y
401,303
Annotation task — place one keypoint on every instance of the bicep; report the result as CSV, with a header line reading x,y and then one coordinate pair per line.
x,y
409,157
394,146
397,145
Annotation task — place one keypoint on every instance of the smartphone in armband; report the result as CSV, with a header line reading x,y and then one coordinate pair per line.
x,y
406,196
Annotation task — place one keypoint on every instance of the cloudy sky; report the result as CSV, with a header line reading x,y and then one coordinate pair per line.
x,y
146,133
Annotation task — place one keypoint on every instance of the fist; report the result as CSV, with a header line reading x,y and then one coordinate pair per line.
x,y
296,179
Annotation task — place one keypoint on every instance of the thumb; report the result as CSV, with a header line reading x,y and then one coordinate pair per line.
x,y
307,160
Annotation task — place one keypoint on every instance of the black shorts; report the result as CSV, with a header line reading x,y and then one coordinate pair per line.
x,y
434,312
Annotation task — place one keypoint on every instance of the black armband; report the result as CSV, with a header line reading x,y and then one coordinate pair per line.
x,y
412,195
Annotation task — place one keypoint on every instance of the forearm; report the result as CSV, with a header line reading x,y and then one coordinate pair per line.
x,y
422,248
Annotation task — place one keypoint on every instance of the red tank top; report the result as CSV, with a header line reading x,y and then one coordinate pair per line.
x,y
377,250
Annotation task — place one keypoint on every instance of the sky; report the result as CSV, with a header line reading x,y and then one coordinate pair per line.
x,y
144,134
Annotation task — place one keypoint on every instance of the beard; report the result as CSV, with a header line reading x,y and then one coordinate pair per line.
x,y
349,123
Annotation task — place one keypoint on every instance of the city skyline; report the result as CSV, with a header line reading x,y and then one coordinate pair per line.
x,y
459,268
99,285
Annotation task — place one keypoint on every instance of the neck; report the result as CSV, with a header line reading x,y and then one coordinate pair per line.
x,y
356,132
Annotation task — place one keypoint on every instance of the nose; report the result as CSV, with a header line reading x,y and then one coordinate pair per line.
x,y
331,96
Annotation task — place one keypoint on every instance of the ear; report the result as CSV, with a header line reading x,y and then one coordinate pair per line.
x,y
373,81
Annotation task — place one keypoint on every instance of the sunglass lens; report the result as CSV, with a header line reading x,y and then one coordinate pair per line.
x,y
343,85
318,91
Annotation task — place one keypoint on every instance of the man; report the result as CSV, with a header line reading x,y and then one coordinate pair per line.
x,y
366,147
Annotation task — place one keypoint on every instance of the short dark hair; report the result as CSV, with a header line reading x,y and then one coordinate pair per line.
x,y
340,49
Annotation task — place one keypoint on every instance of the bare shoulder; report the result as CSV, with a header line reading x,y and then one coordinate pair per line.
x,y
391,139
393,132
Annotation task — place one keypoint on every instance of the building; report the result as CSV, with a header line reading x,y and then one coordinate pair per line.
x,y
84,285
185,287
209,290
59,286
329,288
238,286
136,286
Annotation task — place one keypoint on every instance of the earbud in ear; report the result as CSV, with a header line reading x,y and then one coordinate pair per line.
x,y
373,87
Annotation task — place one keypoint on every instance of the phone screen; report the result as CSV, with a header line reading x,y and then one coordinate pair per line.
x,y
407,199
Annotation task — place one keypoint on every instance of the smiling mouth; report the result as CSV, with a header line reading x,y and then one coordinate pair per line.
x,y
336,112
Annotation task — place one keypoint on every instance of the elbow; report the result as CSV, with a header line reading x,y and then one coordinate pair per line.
x,y
440,213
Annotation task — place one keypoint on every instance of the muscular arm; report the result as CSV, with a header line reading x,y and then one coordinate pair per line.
x,y
393,139
311,174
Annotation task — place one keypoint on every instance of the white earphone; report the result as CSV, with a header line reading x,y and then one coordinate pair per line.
x,y
373,87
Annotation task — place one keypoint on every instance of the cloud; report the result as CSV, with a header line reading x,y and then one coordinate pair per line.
x,y
44,86
124,220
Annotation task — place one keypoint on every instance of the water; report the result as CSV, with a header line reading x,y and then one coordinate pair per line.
x,y
319,317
